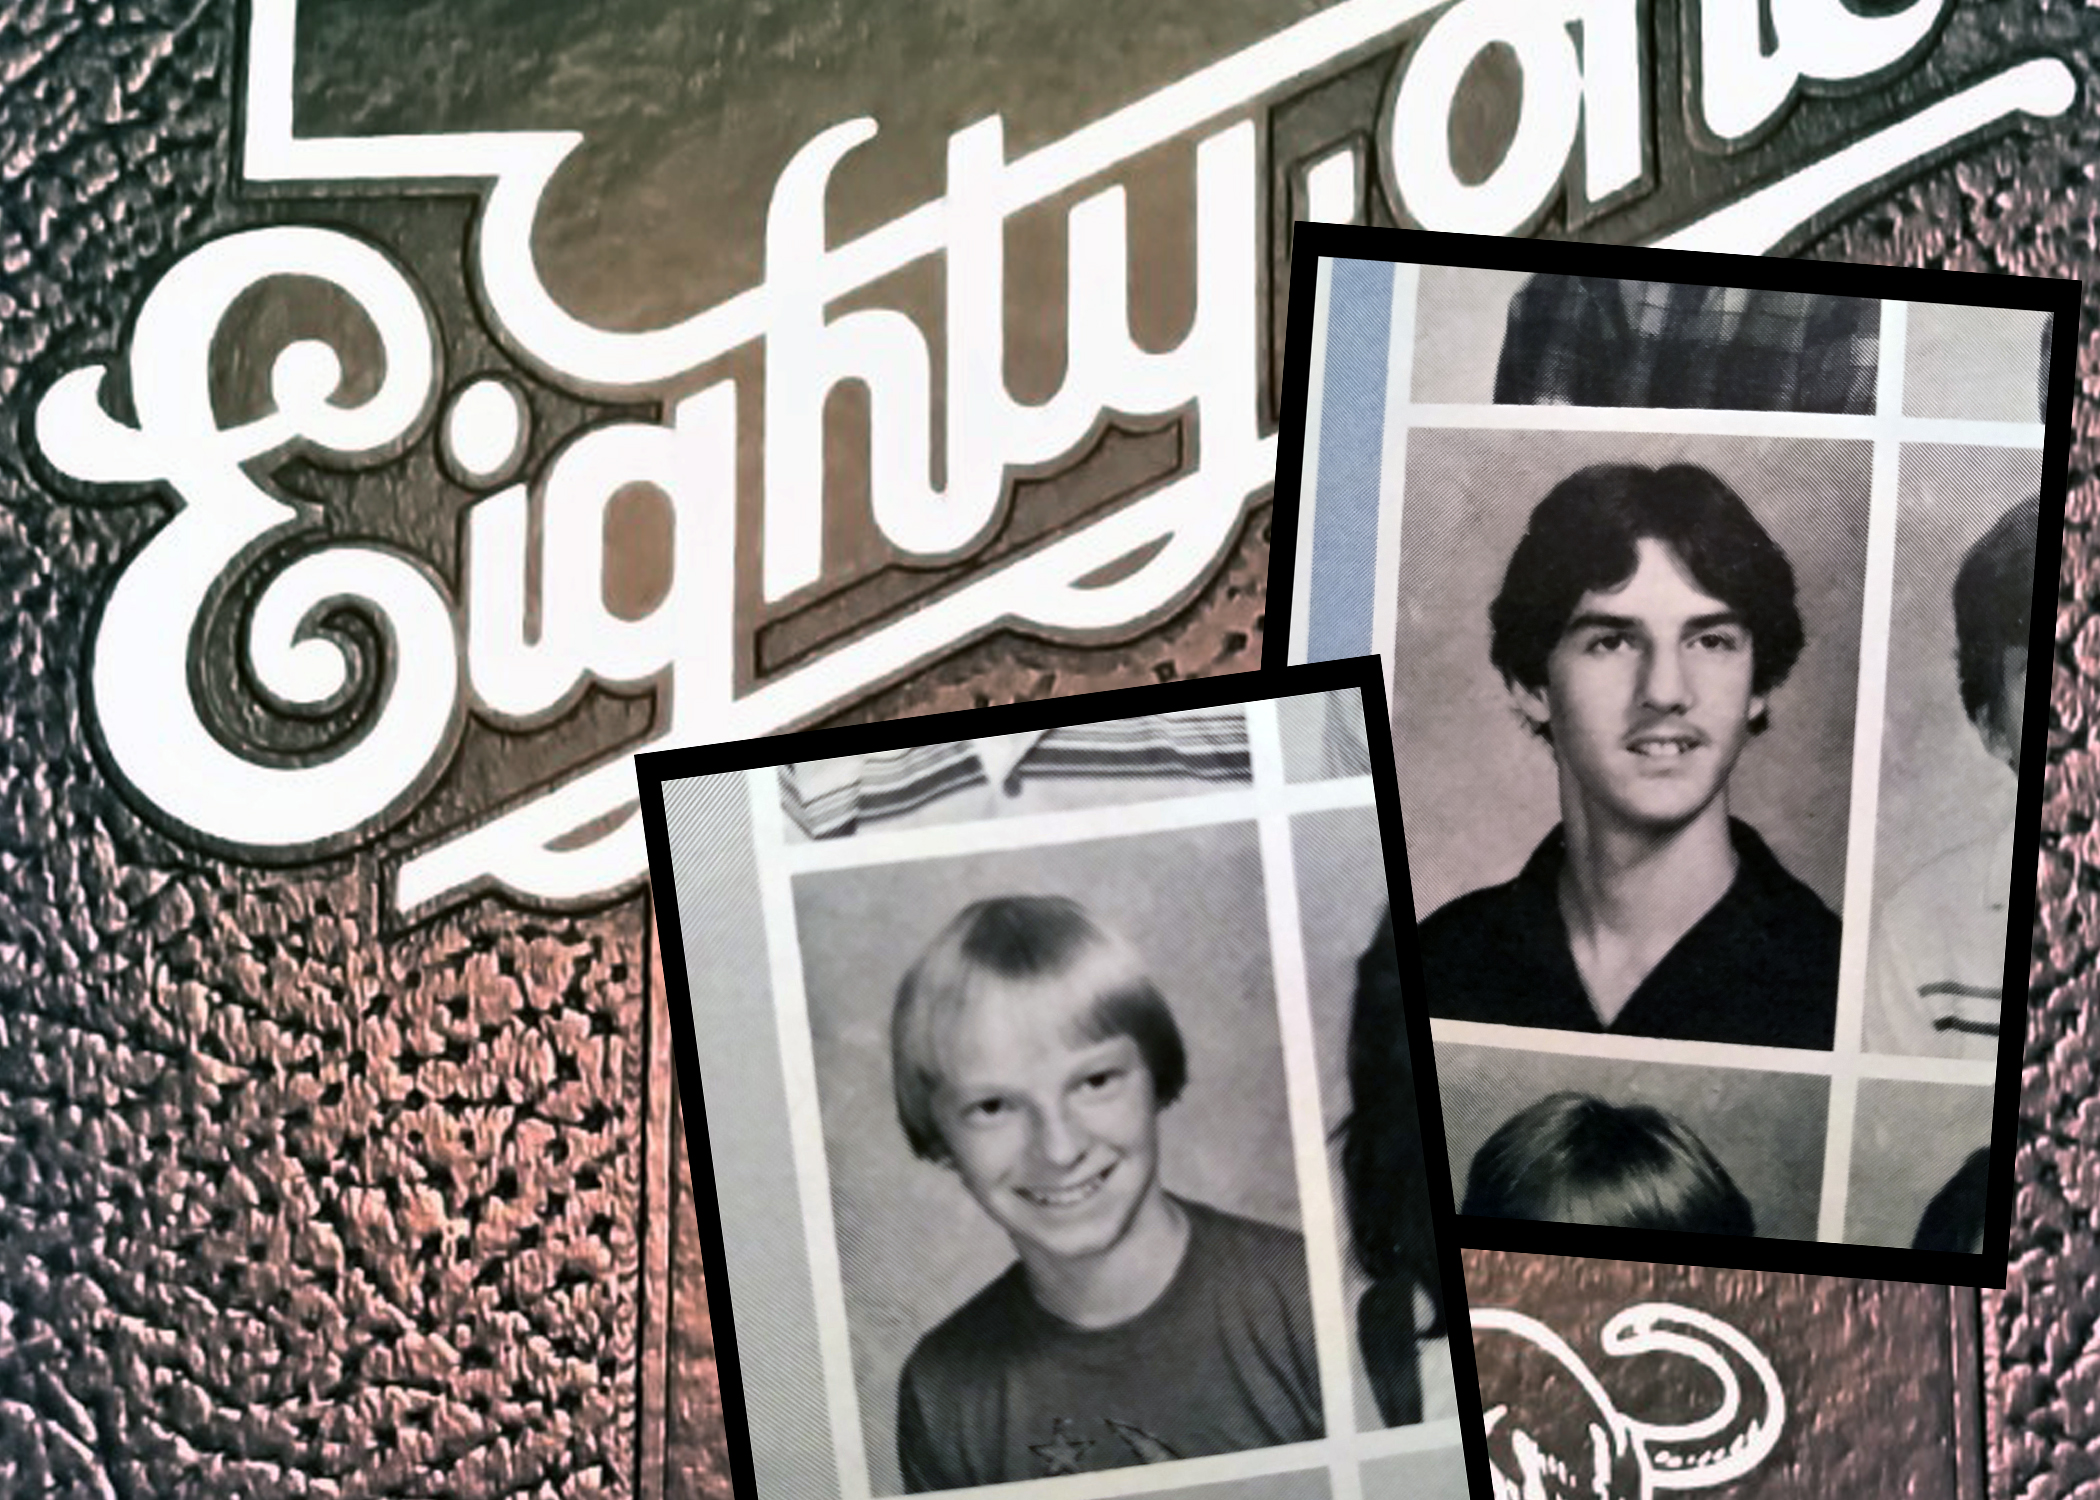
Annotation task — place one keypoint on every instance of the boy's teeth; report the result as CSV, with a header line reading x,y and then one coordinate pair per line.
x,y
1065,1197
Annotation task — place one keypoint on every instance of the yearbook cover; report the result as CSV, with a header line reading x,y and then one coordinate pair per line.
x,y
414,409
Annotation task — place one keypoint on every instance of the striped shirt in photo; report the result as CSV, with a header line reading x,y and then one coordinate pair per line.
x,y
1058,770
1937,972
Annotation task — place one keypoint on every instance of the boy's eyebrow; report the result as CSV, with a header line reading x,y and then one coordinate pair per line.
x,y
1082,1034
1591,619
1079,1046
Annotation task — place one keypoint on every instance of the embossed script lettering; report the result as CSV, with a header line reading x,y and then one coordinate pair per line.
x,y
476,645
1554,1433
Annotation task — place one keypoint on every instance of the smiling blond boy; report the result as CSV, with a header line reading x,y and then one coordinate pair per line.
x,y
1033,1056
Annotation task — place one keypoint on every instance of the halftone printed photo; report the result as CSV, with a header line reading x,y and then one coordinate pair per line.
x,y
1713,597
1180,1129
1086,765
1039,1150
1921,1164
1960,624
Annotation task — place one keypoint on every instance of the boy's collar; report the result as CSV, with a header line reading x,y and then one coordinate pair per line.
x,y
1002,754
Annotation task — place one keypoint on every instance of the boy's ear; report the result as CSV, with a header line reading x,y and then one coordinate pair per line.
x,y
1532,702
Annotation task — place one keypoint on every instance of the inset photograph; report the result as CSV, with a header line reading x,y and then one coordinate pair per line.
x,y
1625,669
1544,340
1633,1145
1058,1142
1712,596
1960,622
1017,1133
1057,770
1921,1158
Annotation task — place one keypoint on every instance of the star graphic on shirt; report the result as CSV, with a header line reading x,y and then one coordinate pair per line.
x,y
1062,1453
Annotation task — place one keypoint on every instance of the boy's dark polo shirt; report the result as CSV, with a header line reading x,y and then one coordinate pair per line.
x,y
1760,969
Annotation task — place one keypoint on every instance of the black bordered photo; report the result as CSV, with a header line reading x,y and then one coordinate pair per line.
x,y
1048,1064
1712,595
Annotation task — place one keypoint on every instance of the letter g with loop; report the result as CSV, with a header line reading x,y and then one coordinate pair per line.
x,y
224,518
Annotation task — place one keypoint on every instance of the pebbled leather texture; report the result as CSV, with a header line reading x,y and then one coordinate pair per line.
x,y
292,1205
1831,1342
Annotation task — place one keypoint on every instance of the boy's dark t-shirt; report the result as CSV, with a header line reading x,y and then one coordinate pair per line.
x,y
1221,1362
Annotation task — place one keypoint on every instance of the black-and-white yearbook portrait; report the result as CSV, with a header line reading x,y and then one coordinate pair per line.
x,y
1919,1156
1323,737
1546,737
1370,1106
1542,339
1957,674
1141,759
1023,1119
1137,1017
1973,363
1596,1140
1702,587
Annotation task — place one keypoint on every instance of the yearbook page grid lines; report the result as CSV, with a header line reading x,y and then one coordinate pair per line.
x,y
1882,785
835,1278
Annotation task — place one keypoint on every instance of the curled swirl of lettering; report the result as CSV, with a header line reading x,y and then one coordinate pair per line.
x,y
226,518
1554,1433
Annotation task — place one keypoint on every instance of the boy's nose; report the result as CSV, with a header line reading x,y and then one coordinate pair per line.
x,y
1664,684
1060,1140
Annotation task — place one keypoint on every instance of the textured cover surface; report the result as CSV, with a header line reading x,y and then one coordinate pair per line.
x,y
291,1202
294,1204
1859,1418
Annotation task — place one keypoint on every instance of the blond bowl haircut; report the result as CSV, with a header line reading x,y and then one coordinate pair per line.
x,y
1022,950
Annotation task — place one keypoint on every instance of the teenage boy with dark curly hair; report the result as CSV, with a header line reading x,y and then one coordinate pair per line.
x,y
1643,622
